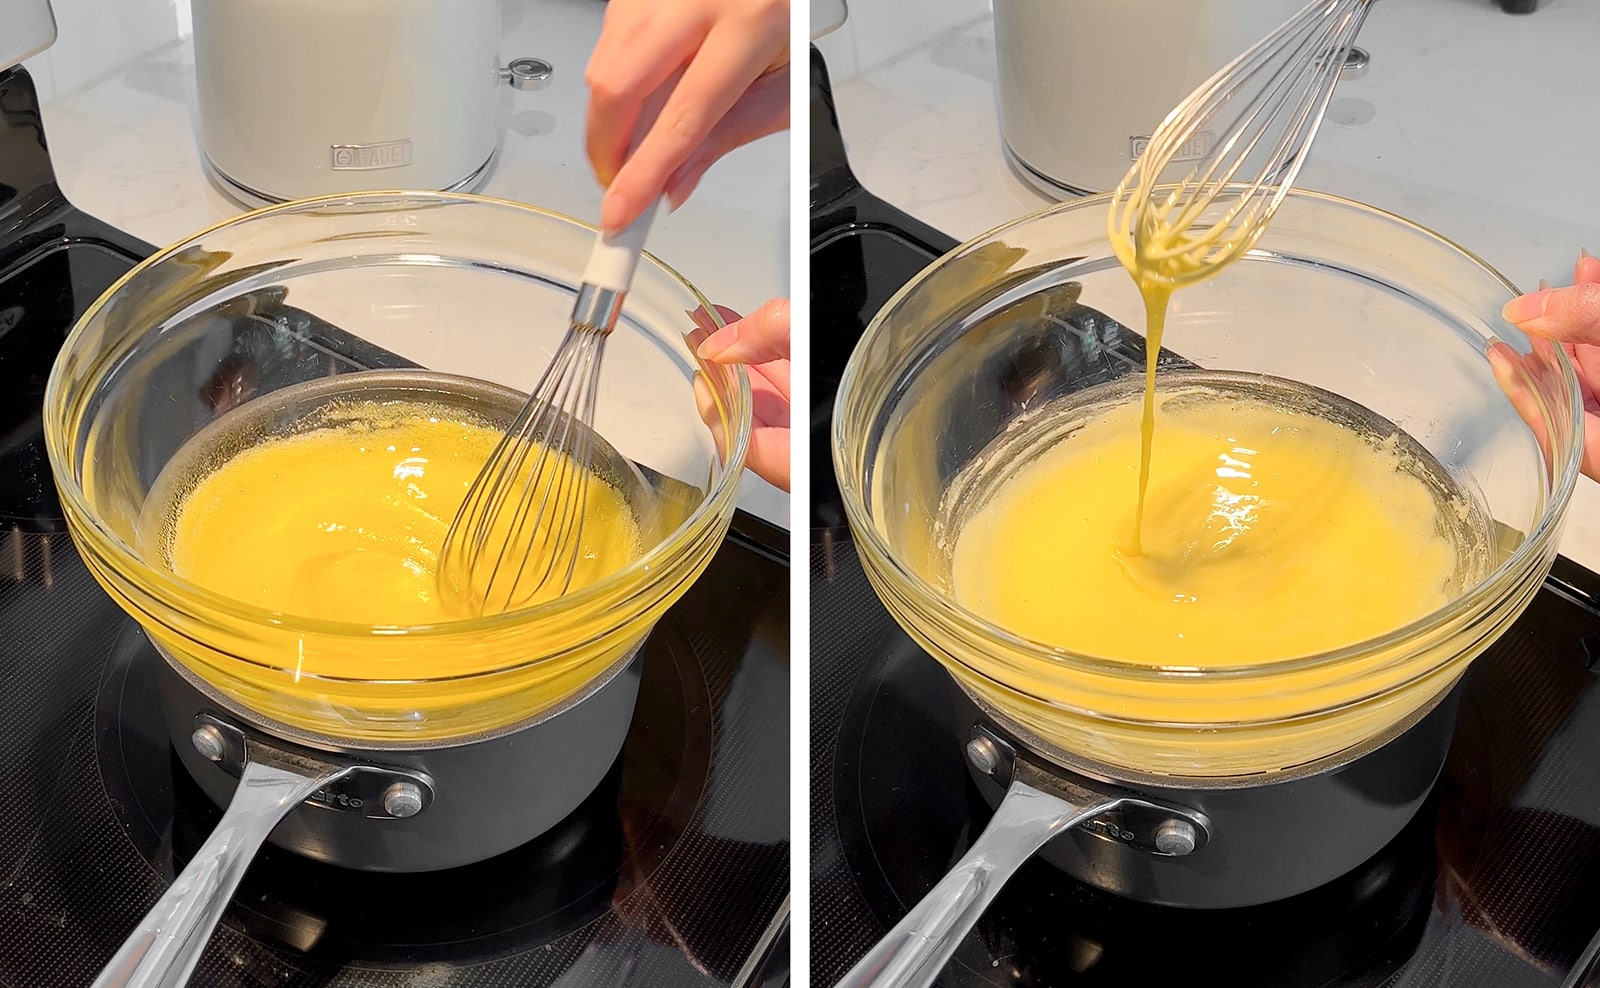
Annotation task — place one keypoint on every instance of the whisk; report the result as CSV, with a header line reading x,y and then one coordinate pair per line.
x,y
1275,95
519,533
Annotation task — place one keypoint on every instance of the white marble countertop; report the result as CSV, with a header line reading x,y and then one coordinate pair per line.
x,y
125,151
1474,123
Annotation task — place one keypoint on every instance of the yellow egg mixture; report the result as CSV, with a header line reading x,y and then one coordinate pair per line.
x,y
345,523
1267,534
1237,532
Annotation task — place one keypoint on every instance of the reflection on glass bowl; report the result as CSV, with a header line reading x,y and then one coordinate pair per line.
x,y
468,287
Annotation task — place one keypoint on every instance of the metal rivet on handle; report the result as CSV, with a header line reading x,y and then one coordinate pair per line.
x,y
1176,837
527,73
209,742
984,756
1356,63
402,799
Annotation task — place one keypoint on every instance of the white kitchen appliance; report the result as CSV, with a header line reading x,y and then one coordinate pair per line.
x,y
27,27
1082,83
827,16
301,98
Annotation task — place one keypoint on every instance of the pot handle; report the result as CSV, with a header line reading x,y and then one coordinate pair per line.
x,y
916,950
163,951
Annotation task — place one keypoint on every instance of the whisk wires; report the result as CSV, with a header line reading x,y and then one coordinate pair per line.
x,y
518,534
1277,93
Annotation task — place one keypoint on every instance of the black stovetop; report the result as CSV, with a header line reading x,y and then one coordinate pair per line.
x,y
674,873
1496,884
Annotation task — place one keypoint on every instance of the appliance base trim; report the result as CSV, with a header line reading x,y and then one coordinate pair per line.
x,y
253,198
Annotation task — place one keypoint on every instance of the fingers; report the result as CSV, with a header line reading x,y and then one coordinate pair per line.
x,y
705,401
761,336
1516,379
1587,270
638,52
1570,314
734,54
705,324
1511,373
769,455
1591,446
1586,364
763,110
769,393
1567,314
776,374
769,434
761,342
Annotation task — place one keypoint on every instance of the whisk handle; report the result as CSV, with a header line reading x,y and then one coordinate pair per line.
x,y
616,255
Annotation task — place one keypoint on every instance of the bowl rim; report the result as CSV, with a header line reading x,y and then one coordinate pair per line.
x,y
881,557
181,595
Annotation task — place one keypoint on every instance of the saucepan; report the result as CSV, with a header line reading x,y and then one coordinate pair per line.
x,y
1214,787
337,740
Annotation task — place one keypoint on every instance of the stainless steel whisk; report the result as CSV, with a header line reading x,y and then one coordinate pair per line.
x,y
1277,93
520,528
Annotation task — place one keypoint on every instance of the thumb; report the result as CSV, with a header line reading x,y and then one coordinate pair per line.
x,y
1571,315
761,336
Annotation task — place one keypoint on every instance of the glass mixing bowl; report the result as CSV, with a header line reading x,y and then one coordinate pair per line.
x,y
270,313
1336,295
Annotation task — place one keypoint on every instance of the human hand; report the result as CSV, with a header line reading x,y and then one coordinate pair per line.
x,y
682,83
759,341
1569,317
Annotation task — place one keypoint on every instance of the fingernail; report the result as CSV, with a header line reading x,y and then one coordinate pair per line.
x,y
1583,254
1526,308
701,321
